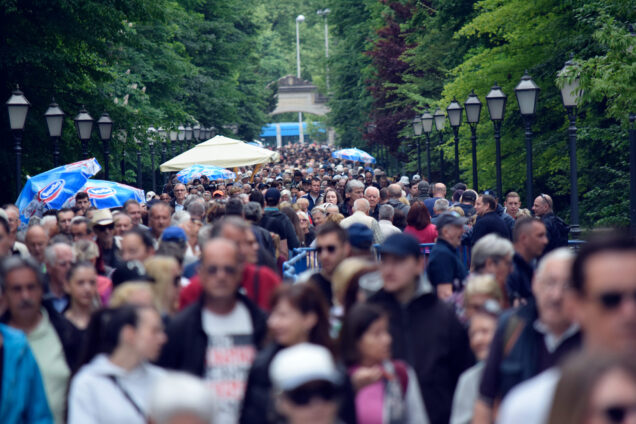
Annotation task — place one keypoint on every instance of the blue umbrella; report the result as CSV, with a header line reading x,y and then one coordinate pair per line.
x,y
50,189
353,154
213,172
108,194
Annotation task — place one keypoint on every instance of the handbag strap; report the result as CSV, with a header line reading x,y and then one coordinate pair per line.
x,y
127,395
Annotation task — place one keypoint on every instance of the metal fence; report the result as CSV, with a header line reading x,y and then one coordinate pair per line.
x,y
306,259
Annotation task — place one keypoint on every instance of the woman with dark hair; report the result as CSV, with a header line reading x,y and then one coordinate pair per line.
x,y
332,196
387,390
299,315
419,224
291,214
115,384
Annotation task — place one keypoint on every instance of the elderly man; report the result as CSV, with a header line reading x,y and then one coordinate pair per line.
x,y
81,229
104,228
386,221
533,338
13,217
179,191
59,259
354,190
530,239
556,229
217,337
493,255
36,240
395,194
441,206
123,223
361,216
372,194
53,340
159,220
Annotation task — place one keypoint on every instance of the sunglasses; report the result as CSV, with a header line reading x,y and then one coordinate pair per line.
x,y
617,413
304,394
331,248
104,227
613,299
228,269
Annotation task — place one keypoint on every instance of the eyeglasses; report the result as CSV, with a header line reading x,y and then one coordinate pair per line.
x,y
331,248
617,413
612,300
214,269
104,227
304,394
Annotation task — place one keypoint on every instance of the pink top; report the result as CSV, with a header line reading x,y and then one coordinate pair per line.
x,y
369,401
426,235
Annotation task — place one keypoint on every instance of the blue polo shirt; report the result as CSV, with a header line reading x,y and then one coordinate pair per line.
x,y
445,265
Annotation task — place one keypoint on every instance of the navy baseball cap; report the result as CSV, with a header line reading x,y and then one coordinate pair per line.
x,y
272,194
360,236
450,218
401,245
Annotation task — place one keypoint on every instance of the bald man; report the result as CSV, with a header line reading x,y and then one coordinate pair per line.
x,y
36,240
361,215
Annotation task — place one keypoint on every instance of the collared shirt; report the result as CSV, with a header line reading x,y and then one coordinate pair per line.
x,y
552,341
444,265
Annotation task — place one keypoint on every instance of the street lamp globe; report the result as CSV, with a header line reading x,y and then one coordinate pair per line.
x,y
54,119
454,111
84,124
527,92
162,133
570,88
181,133
196,130
496,102
18,107
173,134
300,18
188,133
427,122
105,126
417,126
440,119
473,108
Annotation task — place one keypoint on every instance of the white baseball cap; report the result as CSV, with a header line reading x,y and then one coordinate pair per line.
x,y
300,364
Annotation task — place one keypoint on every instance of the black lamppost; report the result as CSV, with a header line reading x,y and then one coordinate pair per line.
x,y
173,141
139,176
163,135
440,121
152,133
417,130
105,126
84,125
188,137
454,111
18,107
473,111
570,93
427,127
196,132
496,101
54,120
182,137
527,92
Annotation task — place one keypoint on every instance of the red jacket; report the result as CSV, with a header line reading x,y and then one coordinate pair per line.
x,y
257,280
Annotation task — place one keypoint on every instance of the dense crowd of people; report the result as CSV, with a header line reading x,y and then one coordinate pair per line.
x,y
425,305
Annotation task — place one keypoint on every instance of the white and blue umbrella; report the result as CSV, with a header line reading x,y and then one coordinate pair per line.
x,y
213,172
353,154
108,194
51,189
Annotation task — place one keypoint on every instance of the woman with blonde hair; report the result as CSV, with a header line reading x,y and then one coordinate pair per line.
x,y
166,273
140,293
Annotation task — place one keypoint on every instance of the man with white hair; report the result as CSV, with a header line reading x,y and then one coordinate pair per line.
x,y
59,259
386,213
354,190
533,338
361,215
372,194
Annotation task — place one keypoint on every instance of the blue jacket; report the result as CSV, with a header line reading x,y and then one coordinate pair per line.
x,y
23,399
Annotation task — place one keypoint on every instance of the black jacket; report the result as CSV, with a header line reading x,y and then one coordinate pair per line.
x,y
258,402
70,337
557,231
277,222
489,223
188,342
429,337
519,282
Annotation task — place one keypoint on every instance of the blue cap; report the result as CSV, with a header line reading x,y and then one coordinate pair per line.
x,y
174,234
402,245
360,236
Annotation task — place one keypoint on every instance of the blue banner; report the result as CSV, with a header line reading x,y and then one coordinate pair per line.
x,y
108,194
211,171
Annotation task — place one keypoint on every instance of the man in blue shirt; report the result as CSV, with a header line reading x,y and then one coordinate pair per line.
x,y
445,269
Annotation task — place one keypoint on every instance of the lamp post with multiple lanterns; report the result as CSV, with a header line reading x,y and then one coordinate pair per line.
x,y
527,92
54,120
473,111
